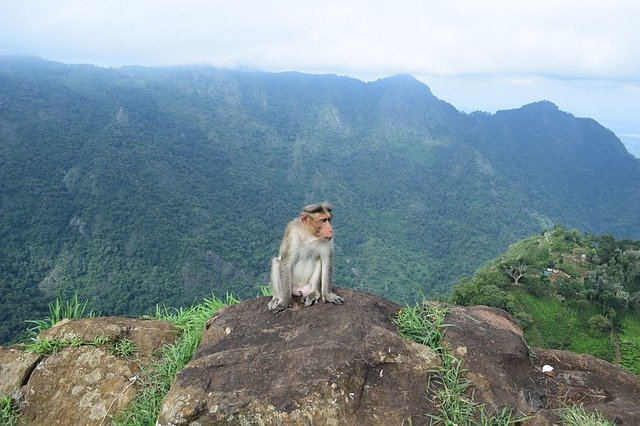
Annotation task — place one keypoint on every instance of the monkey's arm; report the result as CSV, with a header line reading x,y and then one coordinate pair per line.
x,y
327,273
278,302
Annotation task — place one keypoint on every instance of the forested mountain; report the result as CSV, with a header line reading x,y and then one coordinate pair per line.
x,y
135,186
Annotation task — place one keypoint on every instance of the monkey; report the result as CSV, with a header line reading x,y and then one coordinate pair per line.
x,y
304,264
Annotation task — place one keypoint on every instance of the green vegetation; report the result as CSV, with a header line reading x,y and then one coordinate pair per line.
x,y
630,343
576,415
157,378
124,347
52,346
569,291
137,186
9,415
58,311
424,324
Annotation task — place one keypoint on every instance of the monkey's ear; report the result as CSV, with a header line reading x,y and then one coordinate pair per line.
x,y
304,217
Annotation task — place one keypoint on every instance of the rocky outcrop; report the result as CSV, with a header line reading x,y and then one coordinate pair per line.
x,y
83,383
325,364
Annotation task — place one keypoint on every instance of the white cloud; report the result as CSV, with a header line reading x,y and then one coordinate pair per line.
x,y
566,37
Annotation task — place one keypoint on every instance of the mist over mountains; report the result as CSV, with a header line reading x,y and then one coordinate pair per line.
x,y
135,186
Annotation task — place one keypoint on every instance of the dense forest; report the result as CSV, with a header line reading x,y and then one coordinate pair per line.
x,y
569,290
136,186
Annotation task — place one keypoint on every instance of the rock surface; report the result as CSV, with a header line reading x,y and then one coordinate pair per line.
x,y
83,385
16,366
491,346
325,364
346,364
86,384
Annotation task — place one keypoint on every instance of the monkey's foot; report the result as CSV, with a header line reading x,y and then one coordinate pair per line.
x,y
334,298
310,299
275,306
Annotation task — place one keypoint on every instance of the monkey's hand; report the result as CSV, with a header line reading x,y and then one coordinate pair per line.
x,y
275,306
334,298
311,298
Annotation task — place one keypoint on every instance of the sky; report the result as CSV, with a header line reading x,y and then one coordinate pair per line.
x,y
487,55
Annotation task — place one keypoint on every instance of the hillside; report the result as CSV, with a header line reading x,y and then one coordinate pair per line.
x,y
136,186
569,290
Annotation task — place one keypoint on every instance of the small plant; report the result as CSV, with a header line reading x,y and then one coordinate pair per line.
x,y
100,340
265,290
52,346
422,324
576,415
503,418
8,413
70,309
454,406
124,347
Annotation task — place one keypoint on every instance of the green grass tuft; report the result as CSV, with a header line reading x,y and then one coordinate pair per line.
x,y
422,324
9,415
52,346
576,415
58,311
124,347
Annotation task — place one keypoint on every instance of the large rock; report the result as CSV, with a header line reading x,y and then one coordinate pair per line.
x,y
87,385
82,386
325,364
346,364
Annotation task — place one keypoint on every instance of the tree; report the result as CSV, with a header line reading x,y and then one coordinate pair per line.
x,y
516,272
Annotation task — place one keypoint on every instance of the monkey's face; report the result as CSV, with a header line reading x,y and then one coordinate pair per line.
x,y
319,224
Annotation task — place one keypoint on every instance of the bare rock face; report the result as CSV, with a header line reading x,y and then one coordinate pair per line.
x,y
325,364
87,385
16,366
490,344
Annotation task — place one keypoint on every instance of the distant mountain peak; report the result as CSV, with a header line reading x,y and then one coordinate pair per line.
x,y
403,81
536,107
543,105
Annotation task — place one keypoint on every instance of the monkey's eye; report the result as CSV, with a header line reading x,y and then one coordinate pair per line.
x,y
325,220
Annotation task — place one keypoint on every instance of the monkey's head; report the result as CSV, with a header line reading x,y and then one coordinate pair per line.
x,y
317,220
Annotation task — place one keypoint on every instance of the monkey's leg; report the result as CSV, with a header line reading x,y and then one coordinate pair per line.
x,y
327,294
314,284
281,296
